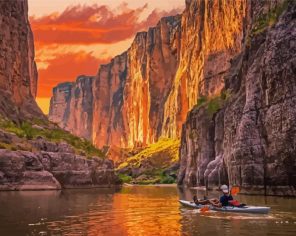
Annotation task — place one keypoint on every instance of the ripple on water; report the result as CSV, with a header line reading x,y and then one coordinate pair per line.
x,y
136,211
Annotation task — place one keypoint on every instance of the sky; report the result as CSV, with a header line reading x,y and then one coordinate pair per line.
x,y
73,37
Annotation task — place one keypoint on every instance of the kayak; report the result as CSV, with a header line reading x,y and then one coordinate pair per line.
x,y
245,209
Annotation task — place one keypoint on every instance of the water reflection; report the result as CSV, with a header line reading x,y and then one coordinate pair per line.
x,y
142,210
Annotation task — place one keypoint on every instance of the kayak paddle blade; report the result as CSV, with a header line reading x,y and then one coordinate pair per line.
x,y
234,190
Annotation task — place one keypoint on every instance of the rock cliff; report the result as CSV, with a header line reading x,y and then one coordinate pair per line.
x,y
130,92
18,73
212,33
232,65
249,138
72,106
34,153
146,92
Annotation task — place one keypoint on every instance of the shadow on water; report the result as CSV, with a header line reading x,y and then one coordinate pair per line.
x,y
138,210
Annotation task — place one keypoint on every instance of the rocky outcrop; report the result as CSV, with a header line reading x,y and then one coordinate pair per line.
x,y
49,166
18,73
250,140
71,106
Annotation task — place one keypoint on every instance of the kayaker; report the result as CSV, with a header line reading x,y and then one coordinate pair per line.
x,y
213,201
226,197
225,200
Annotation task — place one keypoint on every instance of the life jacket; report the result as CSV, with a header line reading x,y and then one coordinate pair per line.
x,y
235,203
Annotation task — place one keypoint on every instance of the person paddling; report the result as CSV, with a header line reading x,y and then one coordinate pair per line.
x,y
226,198
213,201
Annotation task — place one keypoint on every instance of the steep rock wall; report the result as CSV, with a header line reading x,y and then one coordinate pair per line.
x,y
250,141
147,91
212,33
130,92
18,73
72,106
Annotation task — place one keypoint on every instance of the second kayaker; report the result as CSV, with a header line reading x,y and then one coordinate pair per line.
x,y
225,199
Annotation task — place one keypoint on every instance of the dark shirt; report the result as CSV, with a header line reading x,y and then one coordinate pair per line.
x,y
224,200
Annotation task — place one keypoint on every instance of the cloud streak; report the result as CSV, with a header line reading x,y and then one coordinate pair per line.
x,y
93,24
66,67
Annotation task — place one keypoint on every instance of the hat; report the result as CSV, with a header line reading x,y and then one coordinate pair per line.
x,y
224,188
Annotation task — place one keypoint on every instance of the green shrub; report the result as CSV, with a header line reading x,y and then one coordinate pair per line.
x,y
125,178
167,180
214,105
28,130
25,130
201,100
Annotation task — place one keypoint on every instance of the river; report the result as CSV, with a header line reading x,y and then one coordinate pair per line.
x,y
136,210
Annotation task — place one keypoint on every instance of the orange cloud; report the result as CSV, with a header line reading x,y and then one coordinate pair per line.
x,y
65,41
93,24
66,67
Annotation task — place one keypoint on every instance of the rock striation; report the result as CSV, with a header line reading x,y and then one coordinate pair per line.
x,y
250,140
130,92
72,106
18,73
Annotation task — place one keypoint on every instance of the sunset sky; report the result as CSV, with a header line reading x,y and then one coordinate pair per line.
x,y
73,37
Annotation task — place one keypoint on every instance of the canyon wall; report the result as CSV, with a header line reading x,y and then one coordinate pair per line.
x,y
34,153
232,65
250,140
72,106
130,92
146,92
212,33
18,73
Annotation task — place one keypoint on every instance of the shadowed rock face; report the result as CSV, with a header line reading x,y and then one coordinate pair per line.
x,y
72,106
251,140
18,73
60,103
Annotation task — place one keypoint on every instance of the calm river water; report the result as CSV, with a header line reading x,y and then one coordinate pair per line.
x,y
137,210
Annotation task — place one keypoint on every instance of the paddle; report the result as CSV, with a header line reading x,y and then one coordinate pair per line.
x,y
234,190
204,209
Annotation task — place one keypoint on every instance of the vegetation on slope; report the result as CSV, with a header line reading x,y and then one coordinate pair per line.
x,y
152,165
39,128
269,19
213,104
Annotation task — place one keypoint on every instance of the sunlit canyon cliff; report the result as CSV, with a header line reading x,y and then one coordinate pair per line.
x,y
146,92
220,76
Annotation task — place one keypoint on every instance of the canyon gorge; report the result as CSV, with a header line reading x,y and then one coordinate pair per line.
x,y
220,76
